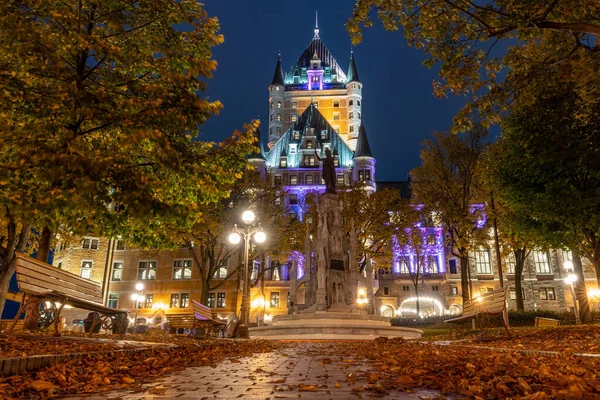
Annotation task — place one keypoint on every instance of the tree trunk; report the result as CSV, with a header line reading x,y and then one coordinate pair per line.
x,y
519,265
464,277
5,275
580,291
44,247
418,305
204,293
596,261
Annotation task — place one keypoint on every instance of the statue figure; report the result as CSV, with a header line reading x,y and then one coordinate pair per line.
x,y
328,171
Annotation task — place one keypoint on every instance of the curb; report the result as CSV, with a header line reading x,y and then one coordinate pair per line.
x,y
18,365
545,353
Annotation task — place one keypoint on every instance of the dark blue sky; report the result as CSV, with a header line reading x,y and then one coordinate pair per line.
x,y
399,110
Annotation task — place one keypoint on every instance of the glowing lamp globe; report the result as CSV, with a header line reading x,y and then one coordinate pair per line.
x,y
234,238
260,237
139,286
134,296
248,217
570,279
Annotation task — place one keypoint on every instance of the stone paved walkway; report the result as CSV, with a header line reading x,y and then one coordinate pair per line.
x,y
304,370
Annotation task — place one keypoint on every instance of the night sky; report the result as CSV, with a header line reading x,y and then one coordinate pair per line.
x,y
399,110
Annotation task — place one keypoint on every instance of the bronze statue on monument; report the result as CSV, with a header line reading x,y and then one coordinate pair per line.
x,y
328,171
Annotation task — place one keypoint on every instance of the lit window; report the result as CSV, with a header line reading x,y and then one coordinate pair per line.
x,y
222,273
174,300
296,135
294,117
117,271
542,265
351,129
271,104
454,290
293,149
434,268
308,179
89,244
336,116
148,300
364,175
482,262
255,270
510,263
316,103
309,161
283,162
276,276
185,300
324,134
353,85
278,104
277,88
274,299
146,270
294,104
293,180
211,300
350,115
120,245
86,269
293,199
336,161
221,300
340,180
113,300
278,117
182,269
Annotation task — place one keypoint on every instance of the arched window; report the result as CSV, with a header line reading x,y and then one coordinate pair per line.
x,y
358,102
278,104
278,117
350,102
271,104
336,103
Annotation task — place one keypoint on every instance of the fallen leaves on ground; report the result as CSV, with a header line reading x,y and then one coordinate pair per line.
x,y
103,372
474,373
571,339
18,346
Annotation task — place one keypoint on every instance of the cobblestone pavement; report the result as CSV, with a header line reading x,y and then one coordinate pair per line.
x,y
303,370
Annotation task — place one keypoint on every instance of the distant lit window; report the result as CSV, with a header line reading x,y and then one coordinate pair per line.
x,y
283,162
316,103
174,303
277,180
364,175
294,104
185,300
308,179
86,269
510,263
351,129
278,104
482,262
113,300
274,299
309,161
221,300
222,272
148,300
146,270
340,180
278,130
293,180
89,243
211,300
454,290
309,144
433,265
278,117
350,115
182,269
324,134
358,115
294,117
542,265
336,116
296,135
547,294
117,271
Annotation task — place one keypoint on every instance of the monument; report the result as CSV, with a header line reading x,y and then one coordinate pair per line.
x,y
331,309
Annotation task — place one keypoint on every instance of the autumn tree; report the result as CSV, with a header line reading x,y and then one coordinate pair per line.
x,y
494,51
208,239
547,169
448,184
100,108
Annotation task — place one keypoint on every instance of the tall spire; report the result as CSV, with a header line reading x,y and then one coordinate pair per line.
x,y
278,74
362,146
352,71
316,23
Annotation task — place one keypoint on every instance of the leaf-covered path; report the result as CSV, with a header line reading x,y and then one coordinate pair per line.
x,y
305,370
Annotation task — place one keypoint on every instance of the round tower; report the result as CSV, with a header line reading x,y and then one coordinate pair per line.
x,y
363,168
354,90
276,89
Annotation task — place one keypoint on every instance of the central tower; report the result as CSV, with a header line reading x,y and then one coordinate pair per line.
x,y
316,78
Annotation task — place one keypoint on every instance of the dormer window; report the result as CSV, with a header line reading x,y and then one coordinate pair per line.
x,y
294,117
296,135
283,162
309,144
336,160
293,149
309,161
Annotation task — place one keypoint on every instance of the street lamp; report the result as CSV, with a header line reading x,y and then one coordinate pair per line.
x,y
570,280
256,233
137,297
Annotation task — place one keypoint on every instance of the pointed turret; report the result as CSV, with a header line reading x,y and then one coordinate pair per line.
x,y
260,154
362,146
278,74
352,71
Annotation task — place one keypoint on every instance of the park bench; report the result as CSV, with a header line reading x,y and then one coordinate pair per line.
x,y
55,288
543,322
202,317
490,303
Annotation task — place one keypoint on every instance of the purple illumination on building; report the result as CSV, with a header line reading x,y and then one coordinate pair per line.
x,y
299,257
429,251
300,191
479,211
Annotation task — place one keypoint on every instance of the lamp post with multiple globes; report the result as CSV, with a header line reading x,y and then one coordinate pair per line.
x,y
137,297
247,232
